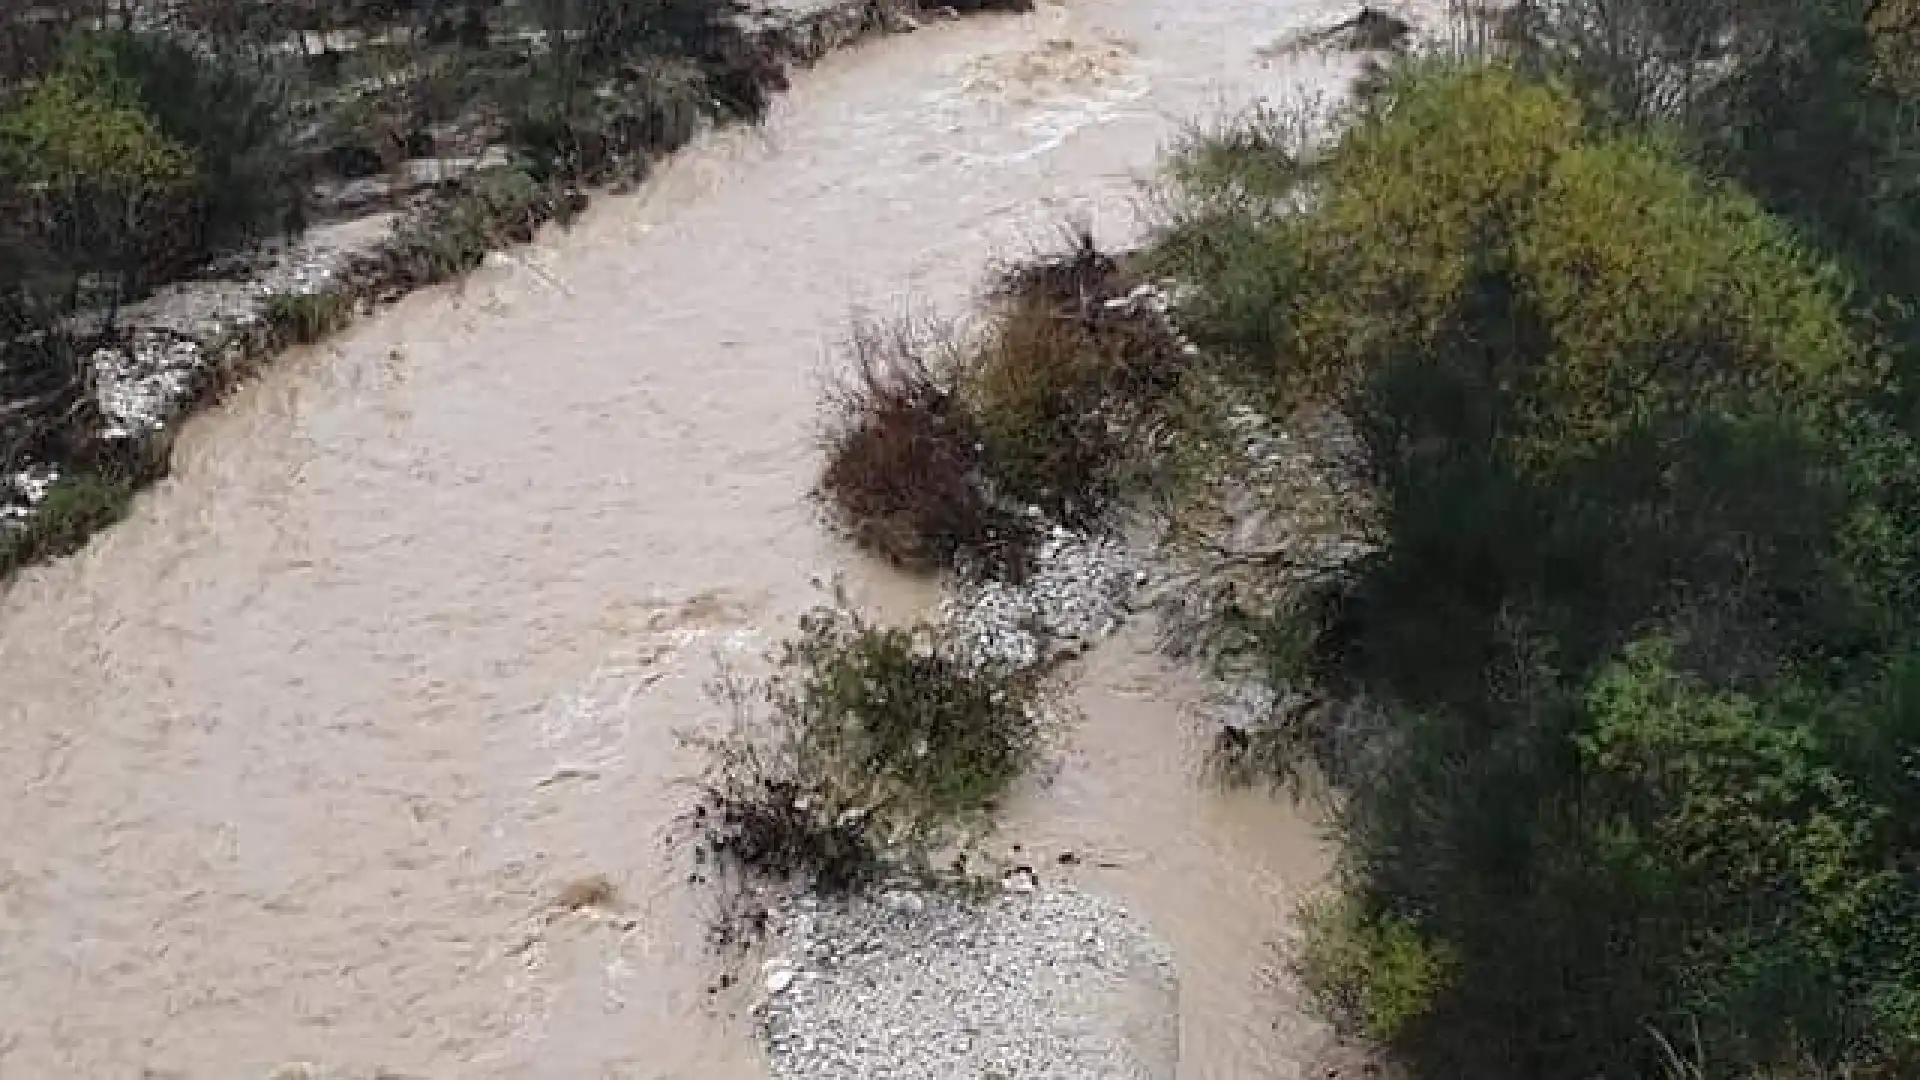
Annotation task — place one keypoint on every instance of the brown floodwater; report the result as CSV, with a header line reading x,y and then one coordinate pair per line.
x,y
298,757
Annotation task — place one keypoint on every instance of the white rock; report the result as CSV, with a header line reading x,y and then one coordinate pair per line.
x,y
900,900
779,980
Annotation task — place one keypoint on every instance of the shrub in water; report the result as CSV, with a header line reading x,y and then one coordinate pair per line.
x,y
492,208
866,745
1370,975
903,459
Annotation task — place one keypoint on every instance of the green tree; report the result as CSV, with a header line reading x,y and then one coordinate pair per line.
x,y
1601,397
109,193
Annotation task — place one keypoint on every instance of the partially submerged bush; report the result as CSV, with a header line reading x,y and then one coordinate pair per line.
x,y
585,135
903,458
944,452
867,747
490,209
1369,30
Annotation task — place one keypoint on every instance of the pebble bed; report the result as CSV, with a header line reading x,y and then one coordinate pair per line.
x,y
1081,590
1027,985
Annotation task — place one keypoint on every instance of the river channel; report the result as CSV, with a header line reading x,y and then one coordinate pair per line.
x,y
297,757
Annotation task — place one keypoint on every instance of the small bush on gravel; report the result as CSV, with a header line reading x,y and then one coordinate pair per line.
x,y
866,746
903,458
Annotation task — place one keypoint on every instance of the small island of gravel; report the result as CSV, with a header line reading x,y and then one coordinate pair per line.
x,y
926,986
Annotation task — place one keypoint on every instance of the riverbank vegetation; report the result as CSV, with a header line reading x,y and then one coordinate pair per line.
x,y
141,143
1614,678
949,448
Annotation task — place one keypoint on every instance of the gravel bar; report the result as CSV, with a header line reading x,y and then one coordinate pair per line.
x,y
1026,985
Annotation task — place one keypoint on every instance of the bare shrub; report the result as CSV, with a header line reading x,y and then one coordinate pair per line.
x,y
903,456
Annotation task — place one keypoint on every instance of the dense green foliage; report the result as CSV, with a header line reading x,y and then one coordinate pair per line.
x,y
1811,105
1639,633
868,747
232,113
100,186
135,158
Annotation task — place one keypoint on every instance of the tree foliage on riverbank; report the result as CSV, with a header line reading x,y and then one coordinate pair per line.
x,y
139,142
1623,324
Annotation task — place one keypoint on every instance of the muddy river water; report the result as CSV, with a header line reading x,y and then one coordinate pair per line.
x,y
296,759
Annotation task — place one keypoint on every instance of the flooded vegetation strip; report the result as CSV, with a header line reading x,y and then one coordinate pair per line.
x,y
186,194
1526,450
